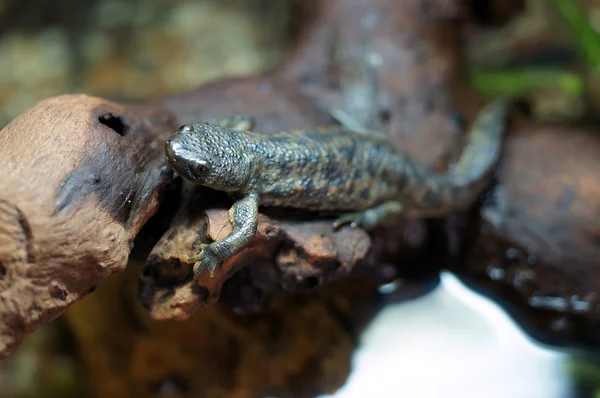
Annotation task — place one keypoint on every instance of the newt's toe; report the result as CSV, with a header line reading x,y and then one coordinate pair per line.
x,y
207,259
352,219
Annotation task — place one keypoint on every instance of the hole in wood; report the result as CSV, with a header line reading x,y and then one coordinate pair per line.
x,y
115,123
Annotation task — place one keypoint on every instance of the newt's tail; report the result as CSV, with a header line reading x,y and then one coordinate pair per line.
x,y
460,186
484,144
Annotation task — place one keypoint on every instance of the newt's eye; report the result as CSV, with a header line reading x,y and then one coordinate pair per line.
x,y
202,167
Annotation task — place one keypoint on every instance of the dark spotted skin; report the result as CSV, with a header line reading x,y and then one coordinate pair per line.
x,y
358,174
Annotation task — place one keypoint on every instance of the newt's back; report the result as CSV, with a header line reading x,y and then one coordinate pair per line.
x,y
330,169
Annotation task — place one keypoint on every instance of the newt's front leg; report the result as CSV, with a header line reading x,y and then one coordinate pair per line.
x,y
243,215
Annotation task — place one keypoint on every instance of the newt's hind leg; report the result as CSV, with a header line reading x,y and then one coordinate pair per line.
x,y
238,122
372,217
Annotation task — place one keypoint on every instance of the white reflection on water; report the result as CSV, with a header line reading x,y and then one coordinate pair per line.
x,y
452,343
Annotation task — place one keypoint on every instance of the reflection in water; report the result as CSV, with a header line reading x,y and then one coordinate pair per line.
x,y
452,342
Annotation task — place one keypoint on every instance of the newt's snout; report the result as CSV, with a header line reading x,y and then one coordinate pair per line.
x,y
174,152
171,150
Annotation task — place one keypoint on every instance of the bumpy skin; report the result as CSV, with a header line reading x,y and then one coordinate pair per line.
x,y
359,174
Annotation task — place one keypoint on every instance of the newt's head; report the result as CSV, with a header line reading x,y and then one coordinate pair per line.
x,y
211,156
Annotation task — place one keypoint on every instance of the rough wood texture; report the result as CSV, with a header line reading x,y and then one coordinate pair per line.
x,y
81,175
285,255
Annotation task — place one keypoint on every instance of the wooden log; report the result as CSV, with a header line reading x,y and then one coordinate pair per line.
x,y
536,247
80,176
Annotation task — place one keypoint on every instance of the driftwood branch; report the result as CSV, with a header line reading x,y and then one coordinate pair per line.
x,y
81,176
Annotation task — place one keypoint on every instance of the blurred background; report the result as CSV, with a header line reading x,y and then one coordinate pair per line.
x,y
128,50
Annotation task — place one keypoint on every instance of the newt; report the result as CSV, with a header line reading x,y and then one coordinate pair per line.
x,y
359,175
